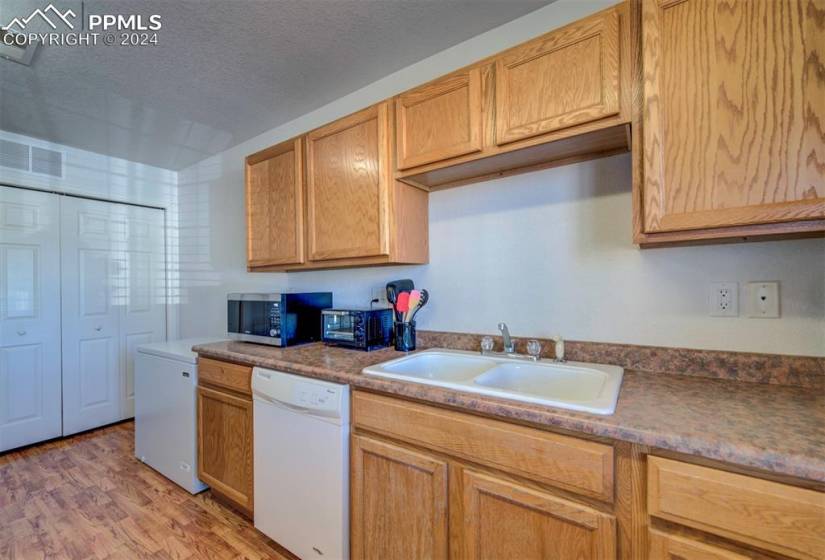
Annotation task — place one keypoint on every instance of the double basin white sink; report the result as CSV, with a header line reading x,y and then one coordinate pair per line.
x,y
577,386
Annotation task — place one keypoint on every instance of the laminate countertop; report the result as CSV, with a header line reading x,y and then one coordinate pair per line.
x,y
774,428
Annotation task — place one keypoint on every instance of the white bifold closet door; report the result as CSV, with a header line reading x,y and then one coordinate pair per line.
x,y
113,300
29,317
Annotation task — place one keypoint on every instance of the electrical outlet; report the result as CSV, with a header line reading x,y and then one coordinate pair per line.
x,y
763,300
379,293
724,299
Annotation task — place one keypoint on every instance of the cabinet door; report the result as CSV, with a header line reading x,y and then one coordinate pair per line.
x,y
505,520
565,78
439,120
348,180
399,502
275,205
734,101
225,445
672,547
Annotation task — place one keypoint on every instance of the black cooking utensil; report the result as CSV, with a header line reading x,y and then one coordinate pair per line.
x,y
394,288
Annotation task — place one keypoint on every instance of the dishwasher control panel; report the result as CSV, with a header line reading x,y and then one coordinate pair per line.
x,y
300,394
317,397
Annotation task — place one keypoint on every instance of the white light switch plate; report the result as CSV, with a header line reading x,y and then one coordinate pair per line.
x,y
763,300
723,299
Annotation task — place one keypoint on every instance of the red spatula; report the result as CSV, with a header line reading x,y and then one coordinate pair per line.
x,y
402,303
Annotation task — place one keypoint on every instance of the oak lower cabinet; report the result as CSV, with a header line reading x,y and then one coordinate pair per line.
x,y
426,484
225,436
504,519
731,121
763,514
399,502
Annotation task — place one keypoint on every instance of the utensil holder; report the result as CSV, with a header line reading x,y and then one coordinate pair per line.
x,y
405,336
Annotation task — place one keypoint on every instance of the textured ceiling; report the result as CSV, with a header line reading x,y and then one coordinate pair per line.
x,y
224,71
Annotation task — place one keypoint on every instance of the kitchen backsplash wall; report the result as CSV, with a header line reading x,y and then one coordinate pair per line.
x,y
551,253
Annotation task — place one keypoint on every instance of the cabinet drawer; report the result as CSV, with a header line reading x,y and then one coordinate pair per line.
x,y
581,466
673,547
232,376
761,513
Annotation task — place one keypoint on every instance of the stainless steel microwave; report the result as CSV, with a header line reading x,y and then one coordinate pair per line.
x,y
276,319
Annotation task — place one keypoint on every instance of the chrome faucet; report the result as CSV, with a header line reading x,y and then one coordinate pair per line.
x,y
533,346
509,346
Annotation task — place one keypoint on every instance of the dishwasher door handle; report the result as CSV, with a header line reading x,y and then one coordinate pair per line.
x,y
288,406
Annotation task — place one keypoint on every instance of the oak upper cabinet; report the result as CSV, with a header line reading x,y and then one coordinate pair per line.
x,y
439,120
348,186
733,113
399,502
565,78
275,205
502,519
560,98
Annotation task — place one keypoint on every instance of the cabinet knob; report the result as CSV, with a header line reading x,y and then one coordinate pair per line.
x,y
98,328
21,333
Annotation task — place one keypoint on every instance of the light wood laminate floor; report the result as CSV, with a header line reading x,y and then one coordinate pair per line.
x,y
88,497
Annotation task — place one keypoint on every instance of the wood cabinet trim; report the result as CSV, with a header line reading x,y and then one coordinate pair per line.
x,y
379,113
581,466
605,26
437,469
470,79
733,505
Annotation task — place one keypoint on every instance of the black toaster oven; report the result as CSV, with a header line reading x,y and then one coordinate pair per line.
x,y
364,329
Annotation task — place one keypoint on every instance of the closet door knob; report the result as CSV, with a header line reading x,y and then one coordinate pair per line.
x,y
98,328
21,333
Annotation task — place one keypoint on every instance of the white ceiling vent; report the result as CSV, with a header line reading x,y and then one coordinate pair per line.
x,y
47,162
15,155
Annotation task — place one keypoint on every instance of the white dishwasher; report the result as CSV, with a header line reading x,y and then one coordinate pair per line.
x,y
301,429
